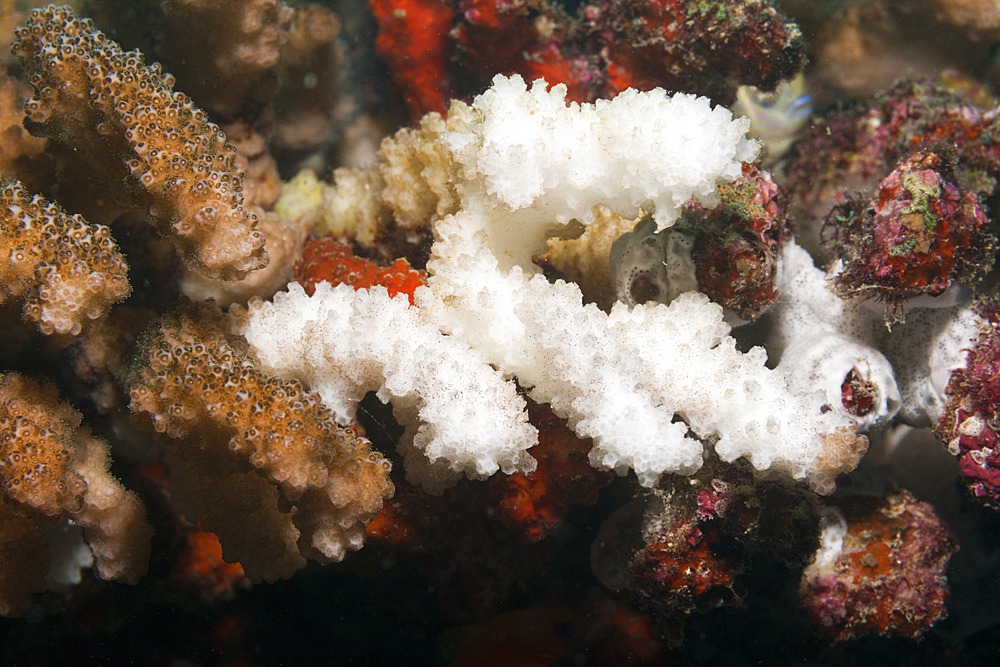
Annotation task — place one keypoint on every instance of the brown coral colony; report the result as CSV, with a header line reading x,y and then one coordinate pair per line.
x,y
118,126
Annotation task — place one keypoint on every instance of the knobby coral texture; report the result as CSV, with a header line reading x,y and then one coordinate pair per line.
x,y
503,292
127,135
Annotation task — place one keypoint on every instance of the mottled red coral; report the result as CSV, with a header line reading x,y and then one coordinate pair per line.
x,y
537,501
677,570
889,576
698,46
919,234
857,395
737,243
526,37
969,422
440,48
330,260
686,547
851,150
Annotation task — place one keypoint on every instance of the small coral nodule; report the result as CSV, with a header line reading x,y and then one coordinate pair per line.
x,y
919,235
880,570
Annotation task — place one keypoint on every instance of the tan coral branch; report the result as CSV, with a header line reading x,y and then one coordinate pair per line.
x,y
51,467
127,142
226,419
67,270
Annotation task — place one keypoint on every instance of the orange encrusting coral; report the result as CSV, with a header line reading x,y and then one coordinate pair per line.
x,y
537,501
400,523
413,37
330,260
201,565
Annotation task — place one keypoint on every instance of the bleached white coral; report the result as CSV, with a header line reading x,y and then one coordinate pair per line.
x,y
527,152
344,343
649,384
620,378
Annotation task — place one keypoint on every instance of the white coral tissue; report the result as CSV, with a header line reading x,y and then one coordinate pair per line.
x,y
650,384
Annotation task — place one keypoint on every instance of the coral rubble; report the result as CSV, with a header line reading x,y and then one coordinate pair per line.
x,y
880,569
968,419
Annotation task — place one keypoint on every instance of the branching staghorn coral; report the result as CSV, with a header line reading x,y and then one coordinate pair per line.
x,y
235,434
51,467
66,270
116,127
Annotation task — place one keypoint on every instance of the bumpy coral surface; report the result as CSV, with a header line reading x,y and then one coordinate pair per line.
x,y
332,261
883,573
199,386
66,270
411,183
38,448
22,156
919,235
677,43
729,252
968,423
119,127
462,417
52,469
852,150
